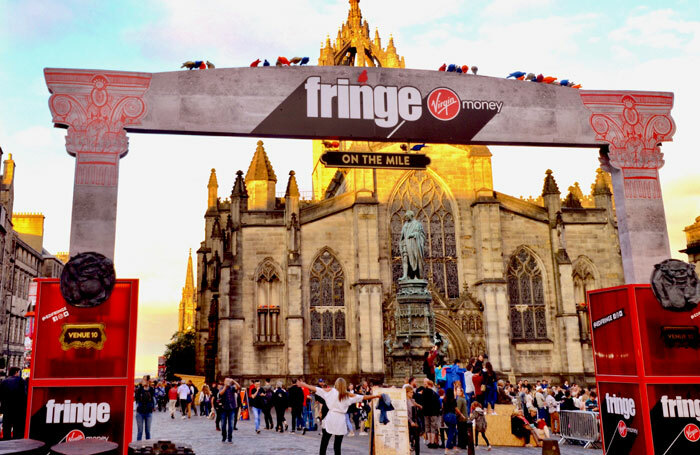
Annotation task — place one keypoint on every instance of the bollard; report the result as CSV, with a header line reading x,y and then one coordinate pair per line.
x,y
159,448
86,447
550,446
22,447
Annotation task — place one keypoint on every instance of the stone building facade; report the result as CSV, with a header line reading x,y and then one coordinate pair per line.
x,y
291,287
692,236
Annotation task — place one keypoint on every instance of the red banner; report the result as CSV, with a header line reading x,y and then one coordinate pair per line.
x,y
82,374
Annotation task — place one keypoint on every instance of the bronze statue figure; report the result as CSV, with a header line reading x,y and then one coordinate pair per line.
x,y
411,246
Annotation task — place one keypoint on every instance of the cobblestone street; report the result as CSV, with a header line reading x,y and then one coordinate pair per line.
x,y
205,440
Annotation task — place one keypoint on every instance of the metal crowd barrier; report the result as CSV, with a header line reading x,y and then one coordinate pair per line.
x,y
580,426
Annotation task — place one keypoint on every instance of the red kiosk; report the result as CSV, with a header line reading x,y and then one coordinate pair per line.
x,y
82,372
647,362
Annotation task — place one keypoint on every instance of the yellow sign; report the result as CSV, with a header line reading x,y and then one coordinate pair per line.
x,y
391,438
90,336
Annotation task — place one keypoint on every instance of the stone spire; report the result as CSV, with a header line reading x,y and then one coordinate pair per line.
x,y
213,189
292,188
189,278
601,186
188,304
550,185
260,181
239,189
573,201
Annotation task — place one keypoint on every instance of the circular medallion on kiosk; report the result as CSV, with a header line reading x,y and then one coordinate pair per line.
x,y
676,285
87,280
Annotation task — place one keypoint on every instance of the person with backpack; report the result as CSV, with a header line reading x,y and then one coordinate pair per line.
x,y
145,402
478,416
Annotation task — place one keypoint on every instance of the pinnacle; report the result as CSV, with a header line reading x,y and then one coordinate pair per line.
x,y
600,187
292,188
260,167
212,179
550,185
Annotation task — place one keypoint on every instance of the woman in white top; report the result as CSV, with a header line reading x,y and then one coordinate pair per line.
x,y
338,400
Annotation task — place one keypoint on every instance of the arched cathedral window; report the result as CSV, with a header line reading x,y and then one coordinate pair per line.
x,y
267,297
327,298
528,319
584,281
427,199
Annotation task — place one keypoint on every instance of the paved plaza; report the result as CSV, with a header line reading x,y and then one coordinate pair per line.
x,y
205,440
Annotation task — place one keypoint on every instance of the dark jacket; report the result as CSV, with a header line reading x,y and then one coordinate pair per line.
x,y
280,399
431,402
228,399
144,400
13,396
296,397
259,400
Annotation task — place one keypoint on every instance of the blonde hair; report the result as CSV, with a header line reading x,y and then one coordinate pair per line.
x,y
342,387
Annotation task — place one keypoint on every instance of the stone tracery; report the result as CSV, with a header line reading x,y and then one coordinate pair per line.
x,y
327,298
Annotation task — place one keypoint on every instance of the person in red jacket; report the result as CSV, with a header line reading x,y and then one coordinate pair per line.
x,y
477,379
172,401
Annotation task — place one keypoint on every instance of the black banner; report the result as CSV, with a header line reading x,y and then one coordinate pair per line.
x,y
375,160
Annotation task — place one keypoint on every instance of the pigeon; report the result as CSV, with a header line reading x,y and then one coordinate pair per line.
x,y
304,61
255,63
295,60
418,147
576,86
266,63
465,68
516,74
520,78
548,79
530,77
475,69
443,67
564,82
458,70
210,65
403,147
282,61
452,68
362,78
539,78
188,64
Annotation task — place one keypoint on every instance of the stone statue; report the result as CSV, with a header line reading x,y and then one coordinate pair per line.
x,y
411,246
676,285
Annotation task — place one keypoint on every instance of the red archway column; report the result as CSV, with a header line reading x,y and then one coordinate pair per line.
x,y
96,105
634,124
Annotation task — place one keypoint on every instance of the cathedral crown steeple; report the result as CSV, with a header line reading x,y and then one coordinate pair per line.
x,y
188,303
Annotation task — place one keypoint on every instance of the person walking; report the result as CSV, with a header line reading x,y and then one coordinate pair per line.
x,y
267,404
192,406
204,401
13,404
479,418
159,392
449,416
280,401
413,419
145,399
184,395
172,400
256,403
228,397
296,402
338,400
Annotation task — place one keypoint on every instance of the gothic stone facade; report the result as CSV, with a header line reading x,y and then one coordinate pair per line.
x,y
290,287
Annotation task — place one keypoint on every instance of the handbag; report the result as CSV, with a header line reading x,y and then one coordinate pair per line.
x,y
483,388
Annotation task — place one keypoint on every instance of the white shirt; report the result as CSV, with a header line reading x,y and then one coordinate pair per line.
x,y
183,391
334,423
468,383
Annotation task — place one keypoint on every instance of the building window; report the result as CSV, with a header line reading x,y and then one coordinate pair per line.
x,y
422,194
327,298
528,320
267,295
583,276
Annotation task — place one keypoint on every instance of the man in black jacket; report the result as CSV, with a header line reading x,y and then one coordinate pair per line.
x,y
431,412
13,405
296,401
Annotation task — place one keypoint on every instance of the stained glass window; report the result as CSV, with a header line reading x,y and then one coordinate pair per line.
x,y
528,317
427,199
327,298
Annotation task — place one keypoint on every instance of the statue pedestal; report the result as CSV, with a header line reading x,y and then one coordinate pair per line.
x,y
415,327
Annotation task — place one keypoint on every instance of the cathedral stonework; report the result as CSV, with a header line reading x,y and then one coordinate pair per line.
x,y
292,287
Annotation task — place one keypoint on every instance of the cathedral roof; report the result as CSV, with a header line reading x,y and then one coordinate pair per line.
x,y
260,167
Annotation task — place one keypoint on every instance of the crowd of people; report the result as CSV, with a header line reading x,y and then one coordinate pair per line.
x,y
447,409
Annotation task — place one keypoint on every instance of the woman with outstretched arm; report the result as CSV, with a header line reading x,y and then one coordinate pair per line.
x,y
338,399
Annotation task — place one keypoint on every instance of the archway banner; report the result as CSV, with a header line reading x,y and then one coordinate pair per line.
x,y
343,102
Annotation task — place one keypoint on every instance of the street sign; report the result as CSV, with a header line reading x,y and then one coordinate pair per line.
x,y
375,160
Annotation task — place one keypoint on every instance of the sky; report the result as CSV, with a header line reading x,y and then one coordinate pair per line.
x,y
625,44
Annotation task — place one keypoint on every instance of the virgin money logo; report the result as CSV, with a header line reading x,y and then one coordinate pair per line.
x,y
74,435
444,104
622,428
691,432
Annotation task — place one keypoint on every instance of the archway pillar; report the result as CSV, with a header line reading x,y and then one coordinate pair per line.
x,y
634,124
96,106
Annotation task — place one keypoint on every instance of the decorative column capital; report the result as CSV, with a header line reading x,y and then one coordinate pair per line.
x,y
96,106
633,124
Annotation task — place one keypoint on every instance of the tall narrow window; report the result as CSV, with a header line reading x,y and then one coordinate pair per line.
x,y
426,198
268,303
327,298
584,281
528,319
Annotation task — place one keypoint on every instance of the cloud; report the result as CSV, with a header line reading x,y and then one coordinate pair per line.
x,y
36,19
511,7
660,29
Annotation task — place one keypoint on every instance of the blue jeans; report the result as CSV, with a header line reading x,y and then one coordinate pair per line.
x,y
491,397
348,423
256,415
470,399
227,425
451,422
140,420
